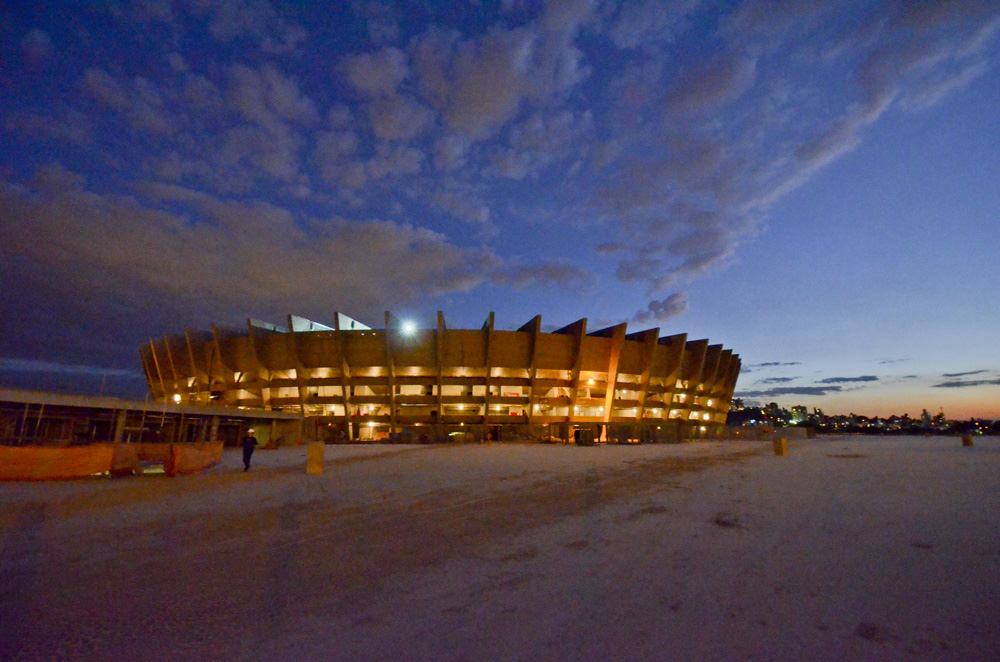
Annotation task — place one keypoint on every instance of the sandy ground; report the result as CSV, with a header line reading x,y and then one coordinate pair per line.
x,y
850,548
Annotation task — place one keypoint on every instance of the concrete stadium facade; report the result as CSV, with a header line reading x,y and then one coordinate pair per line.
x,y
352,382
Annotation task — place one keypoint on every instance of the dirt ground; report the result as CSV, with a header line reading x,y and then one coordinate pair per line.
x,y
848,548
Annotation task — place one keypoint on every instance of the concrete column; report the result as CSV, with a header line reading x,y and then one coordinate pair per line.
x,y
120,419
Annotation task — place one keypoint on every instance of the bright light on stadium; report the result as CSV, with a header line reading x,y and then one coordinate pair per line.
x,y
409,328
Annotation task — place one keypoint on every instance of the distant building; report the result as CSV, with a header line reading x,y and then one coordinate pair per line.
x,y
403,383
799,414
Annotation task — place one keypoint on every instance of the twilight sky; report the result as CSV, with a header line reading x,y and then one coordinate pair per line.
x,y
814,185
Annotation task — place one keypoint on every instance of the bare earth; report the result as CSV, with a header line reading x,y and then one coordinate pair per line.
x,y
850,548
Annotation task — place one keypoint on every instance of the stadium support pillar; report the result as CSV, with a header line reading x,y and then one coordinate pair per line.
x,y
439,352
264,384
391,369
299,367
648,339
617,342
579,330
345,373
159,371
534,327
488,331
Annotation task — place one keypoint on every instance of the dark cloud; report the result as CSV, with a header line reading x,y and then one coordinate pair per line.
x,y
552,273
848,380
223,252
22,365
649,25
37,46
774,364
710,84
964,374
777,380
227,20
967,383
789,390
660,311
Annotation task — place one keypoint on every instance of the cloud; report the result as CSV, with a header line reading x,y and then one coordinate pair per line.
x,y
789,390
399,118
774,364
662,310
24,365
848,380
335,157
268,98
707,85
964,374
376,74
177,62
649,24
138,100
381,19
966,383
480,84
545,274
394,160
944,84
37,46
224,255
466,208
770,19
59,122
954,382
488,82
542,139
257,19
272,152
777,380
450,152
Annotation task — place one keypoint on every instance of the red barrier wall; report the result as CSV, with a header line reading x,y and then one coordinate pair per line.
x,y
185,459
50,463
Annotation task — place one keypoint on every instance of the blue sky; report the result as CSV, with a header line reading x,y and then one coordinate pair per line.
x,y
814,185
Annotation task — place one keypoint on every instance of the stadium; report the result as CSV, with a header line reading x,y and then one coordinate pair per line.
x,y
354,383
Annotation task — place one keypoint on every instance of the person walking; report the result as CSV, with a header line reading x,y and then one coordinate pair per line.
x,y
249,443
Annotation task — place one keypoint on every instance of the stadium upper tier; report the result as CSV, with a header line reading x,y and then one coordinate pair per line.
x,y
402,376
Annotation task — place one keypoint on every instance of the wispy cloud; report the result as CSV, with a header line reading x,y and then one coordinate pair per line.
x,y
789,390
964,374
968,383
48,367
848,380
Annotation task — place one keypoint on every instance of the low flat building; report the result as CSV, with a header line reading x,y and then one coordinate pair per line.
x,y
41,418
